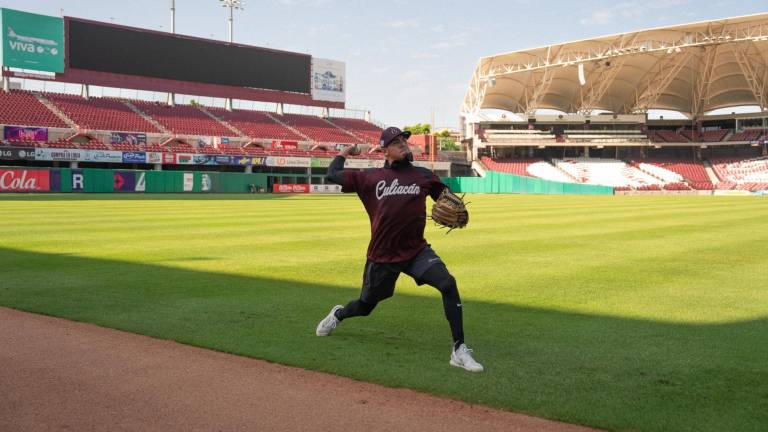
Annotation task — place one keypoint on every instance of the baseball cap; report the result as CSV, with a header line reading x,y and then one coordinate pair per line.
x,y
389,134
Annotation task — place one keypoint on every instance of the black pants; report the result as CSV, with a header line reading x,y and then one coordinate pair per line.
x,y
426,268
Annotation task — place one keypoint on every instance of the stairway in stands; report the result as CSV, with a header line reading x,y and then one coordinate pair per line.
x,y
54,109
287,126
361,139
226,124
147,117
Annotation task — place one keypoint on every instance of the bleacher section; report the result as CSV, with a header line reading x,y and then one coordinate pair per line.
x,y
605,137
23,109
746,135
101,113
255,124
607,172
369,132
317,129
669,136
693,173
518,136
183,119
750,174
547,171
512,166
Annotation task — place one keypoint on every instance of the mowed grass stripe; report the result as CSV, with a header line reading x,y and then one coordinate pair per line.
x,y
627,313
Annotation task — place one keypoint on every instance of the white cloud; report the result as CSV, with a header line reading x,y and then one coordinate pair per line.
x,y
438,28
401,24
424,56
628,10
305,2
320,30
449,44
598,17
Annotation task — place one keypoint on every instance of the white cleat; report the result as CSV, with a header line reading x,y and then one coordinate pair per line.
x,y
329,323
462,357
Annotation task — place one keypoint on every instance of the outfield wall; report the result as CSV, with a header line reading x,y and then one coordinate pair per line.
x,y
503,183
21,179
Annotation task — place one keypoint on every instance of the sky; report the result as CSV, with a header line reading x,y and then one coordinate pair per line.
x,y
406,61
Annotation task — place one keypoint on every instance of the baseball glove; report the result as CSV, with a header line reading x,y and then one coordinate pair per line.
x,y
450,211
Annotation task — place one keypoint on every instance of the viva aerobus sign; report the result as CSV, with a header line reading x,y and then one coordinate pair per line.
x,y
32,41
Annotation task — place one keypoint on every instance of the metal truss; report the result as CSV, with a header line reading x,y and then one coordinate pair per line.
x,y
630,44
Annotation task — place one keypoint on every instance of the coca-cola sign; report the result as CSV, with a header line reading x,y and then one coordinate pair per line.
x,y
17,180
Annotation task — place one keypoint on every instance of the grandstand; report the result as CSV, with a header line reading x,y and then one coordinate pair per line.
x,y
66,125
580,111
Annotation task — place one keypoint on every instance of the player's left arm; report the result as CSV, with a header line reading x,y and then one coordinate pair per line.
x,y
435,185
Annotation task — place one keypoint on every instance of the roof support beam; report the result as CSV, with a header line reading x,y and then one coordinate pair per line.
x,y
669,69
703,81
599,86
755,79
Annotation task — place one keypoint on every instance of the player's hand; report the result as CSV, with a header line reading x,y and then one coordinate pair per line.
x,y
352,150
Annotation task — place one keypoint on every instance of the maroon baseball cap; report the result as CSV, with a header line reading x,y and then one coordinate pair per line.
x,y
389,134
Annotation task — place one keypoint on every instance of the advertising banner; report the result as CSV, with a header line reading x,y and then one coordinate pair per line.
x,y
54,154
78,180
296,162
189,181
32,41
134,157
320,162
258,161
130,138
141,182
13,153
206,182
104,156
290,188
199,159
22,180
325,189
328,80
363,163
185,158
169,158
125,181
285,145
154,157
226,160
19,133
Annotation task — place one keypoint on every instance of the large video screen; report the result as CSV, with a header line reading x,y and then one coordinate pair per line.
x,y
104,48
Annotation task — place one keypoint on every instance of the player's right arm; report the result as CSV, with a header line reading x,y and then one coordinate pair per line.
x,y
350,181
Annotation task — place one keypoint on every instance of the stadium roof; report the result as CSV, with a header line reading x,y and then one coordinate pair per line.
x,y
690,68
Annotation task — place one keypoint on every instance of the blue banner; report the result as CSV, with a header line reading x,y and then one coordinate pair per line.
x,y
134,157
125,181
202,159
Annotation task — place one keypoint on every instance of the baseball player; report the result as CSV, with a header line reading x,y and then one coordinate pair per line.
x,y
395,198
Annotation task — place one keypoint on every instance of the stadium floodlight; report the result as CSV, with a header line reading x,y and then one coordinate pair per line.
x,y
232,5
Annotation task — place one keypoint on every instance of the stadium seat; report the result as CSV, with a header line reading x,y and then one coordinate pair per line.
x,y
107,114
24,109
183,119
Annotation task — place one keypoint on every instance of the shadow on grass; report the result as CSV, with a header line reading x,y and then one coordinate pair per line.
x,y
608,372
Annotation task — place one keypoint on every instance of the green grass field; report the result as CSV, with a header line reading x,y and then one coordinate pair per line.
x,y
624,313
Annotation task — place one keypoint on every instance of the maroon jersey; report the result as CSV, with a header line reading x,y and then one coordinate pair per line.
x,y
395,199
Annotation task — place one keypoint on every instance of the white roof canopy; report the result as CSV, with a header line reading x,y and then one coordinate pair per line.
x,y
690,68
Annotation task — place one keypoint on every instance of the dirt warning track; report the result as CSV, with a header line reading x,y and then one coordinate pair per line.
x,y
62,375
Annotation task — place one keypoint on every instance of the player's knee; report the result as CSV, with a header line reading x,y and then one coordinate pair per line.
x,y
447,285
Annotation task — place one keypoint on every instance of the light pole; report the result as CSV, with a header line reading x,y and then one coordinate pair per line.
x,y
232,5
173,16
